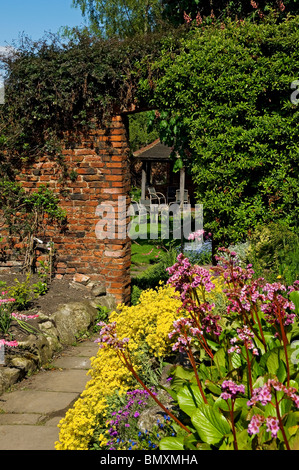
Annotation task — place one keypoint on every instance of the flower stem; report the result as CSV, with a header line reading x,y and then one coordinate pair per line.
x,y
285,343
260,328
281,425
231,411
192,360
132,370
249,369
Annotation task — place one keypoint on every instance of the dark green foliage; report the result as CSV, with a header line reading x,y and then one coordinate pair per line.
x,y
221,9
140,136
53,87
225,107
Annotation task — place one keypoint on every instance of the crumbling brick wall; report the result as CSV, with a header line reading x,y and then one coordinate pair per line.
x,y
99,167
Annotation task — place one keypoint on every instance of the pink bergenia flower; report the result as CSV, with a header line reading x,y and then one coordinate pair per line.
x,y
245,336
184,277
185,329
276,306
263,394
108,336
230,389
257,421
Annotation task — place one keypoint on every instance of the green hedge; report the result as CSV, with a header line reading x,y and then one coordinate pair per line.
x,y
225,107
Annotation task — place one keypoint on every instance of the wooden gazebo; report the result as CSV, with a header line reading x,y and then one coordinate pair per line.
x,y
154,153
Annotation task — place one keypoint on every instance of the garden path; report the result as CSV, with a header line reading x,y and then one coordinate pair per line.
x,y
30,413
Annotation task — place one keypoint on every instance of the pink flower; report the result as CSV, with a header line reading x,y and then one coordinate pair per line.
x,y
11,344
257,421
263,394
198,19
108,336
255,424
281,5
184,277
244,336
187,18
231,389
22,316
272,425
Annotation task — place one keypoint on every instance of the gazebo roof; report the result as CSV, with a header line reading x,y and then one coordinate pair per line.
x,y
156,151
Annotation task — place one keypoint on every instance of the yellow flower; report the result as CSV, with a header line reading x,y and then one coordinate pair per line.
x,y
147,324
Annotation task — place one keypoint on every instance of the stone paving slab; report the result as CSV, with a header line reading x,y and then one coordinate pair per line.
x,y
28,437
20,418
32,401
63,380
30,414
85,349
70,362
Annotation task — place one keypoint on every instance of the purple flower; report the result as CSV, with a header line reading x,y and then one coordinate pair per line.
x,y
231,389
108,336
184,277
244,336
264,394
272,425
255,424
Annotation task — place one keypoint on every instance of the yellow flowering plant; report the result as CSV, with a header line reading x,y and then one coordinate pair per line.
x,y
147,324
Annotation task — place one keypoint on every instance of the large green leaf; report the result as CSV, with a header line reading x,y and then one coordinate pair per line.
x,y
189,398
294,296
210,425
274,360
220,360
294,441
172,443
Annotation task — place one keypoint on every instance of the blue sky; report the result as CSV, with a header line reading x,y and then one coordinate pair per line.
x,y
35,17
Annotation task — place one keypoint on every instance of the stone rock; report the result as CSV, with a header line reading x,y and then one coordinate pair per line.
x,y
23,364
72,319
50,332
82,287
81,278
98,290
148,418
37,349
8,377
105,301
59,330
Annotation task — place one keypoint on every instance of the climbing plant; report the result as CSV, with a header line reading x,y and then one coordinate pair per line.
x,y
55,89
24,214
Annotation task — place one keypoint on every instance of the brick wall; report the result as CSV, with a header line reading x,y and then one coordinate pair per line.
x,y
100,163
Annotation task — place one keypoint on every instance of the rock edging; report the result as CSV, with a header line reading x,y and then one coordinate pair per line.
x,y
57,331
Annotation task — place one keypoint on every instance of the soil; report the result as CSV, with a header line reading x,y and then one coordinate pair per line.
x,y
60,291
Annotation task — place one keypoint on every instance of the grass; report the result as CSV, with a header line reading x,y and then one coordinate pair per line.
x,y
147,243
144,253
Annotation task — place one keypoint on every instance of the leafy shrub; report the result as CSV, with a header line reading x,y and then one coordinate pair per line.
x,y
224,102
274,251
23,293
156,273
24,215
